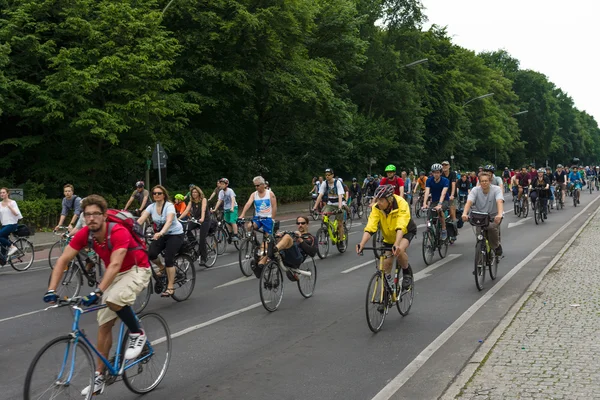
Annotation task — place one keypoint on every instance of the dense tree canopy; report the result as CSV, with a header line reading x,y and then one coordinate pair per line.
x,y
241,87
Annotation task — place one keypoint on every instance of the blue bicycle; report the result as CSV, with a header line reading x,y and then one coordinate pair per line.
x,y
65,365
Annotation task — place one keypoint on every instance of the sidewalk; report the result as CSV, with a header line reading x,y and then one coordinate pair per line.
x,y
43,240
550,349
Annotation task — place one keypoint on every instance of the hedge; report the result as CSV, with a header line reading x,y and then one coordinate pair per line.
x,y
46,213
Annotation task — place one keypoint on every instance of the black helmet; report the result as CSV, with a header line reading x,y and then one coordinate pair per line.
x,y
489,167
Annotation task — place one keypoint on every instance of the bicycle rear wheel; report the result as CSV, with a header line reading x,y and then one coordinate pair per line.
x,y
480,264
322,243
428,246
146,375
72,279
55,252
306,284
49,372
221,238
376,302
405,296
271,286
443,247
493,264
142,299
211,251
246,255
525,208
23,258
185,277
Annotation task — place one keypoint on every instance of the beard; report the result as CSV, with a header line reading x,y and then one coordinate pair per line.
x,y
96,229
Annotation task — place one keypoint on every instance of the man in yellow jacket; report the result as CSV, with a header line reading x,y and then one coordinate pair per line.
x,y
392,214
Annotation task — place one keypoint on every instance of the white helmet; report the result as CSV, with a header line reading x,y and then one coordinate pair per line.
x,y
436,167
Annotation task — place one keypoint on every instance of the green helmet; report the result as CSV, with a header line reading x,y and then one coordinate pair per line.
x,y
390,167
179,197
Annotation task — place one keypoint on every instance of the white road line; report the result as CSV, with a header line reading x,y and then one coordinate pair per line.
x,y
396,383
207,323
519,222
424,273
21,315
357,267
222,266
421,226
236,281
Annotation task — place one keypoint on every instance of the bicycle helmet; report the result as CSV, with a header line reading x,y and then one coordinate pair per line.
x,y
354,180
376,176
191,185
559,166
489,167
541,169
422,173
139,184
179,197
384,191
390,168
436,167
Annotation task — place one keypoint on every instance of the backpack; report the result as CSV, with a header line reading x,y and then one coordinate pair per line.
x,y
72,206
335,182
128,221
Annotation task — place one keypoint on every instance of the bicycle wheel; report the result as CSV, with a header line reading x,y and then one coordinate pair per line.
x,y
55,252
516,207
525,208
142,299
211,251
493,264
377,242
60,370
360,210
185,277
221,238
348,223
246,255
145,375
306,284
480,264
241,236
322,243
342,245
23,258
428,246
405,296
417,207
271,286
70,284
376,302
443,247
537,213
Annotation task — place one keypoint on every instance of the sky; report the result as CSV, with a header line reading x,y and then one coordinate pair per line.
x,y
554,37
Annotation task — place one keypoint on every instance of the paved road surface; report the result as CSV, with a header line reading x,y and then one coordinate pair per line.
x,y
317,348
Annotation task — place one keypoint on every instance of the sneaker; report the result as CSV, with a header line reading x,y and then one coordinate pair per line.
x,y
98,385
406,282
291,276
136,345
235,238
12,251
444,234
499,250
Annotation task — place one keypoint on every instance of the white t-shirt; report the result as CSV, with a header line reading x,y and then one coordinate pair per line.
x,y
227,196
486,203
176,228
330,191
6,216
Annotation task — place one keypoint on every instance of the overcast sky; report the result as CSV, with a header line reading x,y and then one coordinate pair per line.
x,y
557,38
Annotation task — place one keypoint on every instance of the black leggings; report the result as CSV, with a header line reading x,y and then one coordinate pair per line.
x,y
204,228
170,244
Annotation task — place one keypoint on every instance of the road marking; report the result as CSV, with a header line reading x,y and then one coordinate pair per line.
x,y
236,281
424,273
421,226
357,267
207,323
21,315
397,382
32,269
520,222
222,266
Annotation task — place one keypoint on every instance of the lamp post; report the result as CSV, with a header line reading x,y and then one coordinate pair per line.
x,y
520,113
478,98
412,64
167,6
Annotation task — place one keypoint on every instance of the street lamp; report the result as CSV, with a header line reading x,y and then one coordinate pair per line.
x,y
167,6
478,98
520,113
412,64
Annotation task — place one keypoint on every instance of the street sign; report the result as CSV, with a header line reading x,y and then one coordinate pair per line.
x,y
159,157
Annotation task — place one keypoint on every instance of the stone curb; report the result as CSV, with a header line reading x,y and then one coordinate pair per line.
x,y
477,360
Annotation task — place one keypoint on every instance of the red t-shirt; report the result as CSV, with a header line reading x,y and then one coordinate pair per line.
x,y
397,182
120,238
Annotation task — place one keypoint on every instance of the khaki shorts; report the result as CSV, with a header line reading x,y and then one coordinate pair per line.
x,y
123,291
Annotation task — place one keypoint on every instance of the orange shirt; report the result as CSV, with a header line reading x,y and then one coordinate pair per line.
x,y
421,182
180,207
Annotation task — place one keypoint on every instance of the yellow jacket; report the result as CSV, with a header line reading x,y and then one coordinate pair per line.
x,y
397,219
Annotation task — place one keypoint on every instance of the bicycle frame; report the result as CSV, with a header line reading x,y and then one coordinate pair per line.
x,y
332,228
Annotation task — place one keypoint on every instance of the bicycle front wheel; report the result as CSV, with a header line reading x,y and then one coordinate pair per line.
x,y
480,264
493,264
405,296
221,239
185,277
322,243
23,258
146,372
537,213
60,370
246,256
211,251
271,286
376,305
142,299
306,284
71,281
55,252
428,246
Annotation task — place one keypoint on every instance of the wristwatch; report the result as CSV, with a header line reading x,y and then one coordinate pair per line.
x,y
98,291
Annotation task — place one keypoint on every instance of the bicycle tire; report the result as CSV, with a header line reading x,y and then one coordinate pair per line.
x,y
71,282
184,266
348,223
428,246
322,243
525,207
537,215
211,251
143,298
493,265
575,199
480,265
55,251
361,210
162,340
405,296
271,280
516,207
221,238
246,256
443,247
306,284
31,390
376,302
21,260
241,234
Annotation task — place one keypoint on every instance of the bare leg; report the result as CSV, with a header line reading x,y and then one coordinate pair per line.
x,y
104,343
170,277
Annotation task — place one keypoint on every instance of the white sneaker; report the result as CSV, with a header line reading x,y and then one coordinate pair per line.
x,y
136,345
98,385
12,251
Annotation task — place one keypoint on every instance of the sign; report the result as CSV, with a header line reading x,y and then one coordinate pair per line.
x,y
16,194
159,157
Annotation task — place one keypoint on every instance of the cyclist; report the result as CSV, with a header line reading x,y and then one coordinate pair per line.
x,y
523,181
393,179
464,188
438,187
494,180
333,189
506,176
355,192
70,202
179,204
487,198
141,195
421,181
168,237
198,209
391,214
371,186
295,249
265,206
576,180
561,176
227,198
451,176
127,274
539,188
188,195
9,218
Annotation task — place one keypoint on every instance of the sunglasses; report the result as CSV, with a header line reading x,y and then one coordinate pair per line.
x,y
157,193
301,223
258,185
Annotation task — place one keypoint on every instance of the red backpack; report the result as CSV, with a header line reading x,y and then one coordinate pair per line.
x,y
126,220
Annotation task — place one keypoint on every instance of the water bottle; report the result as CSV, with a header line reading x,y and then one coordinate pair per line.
x,y
390,281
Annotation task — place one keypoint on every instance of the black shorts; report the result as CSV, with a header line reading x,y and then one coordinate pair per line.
x,y
410,235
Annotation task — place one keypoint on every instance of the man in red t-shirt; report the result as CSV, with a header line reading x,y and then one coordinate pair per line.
x,y
127,274
394,180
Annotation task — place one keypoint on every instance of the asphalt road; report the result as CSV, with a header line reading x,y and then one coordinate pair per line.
x,y
318,348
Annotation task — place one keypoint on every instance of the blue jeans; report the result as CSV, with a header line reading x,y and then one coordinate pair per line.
x,y
5,231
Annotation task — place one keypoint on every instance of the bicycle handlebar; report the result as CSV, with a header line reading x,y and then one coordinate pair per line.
x,y
66,302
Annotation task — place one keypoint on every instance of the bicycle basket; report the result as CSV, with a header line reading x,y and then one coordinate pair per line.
x,y
479,219
22,231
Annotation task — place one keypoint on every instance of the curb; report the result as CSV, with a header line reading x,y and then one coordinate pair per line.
x,y
480,355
